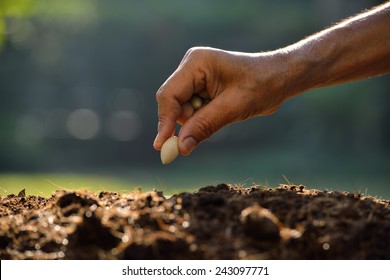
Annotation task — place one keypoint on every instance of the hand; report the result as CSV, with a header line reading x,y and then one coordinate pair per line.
x,y
240,85
244,85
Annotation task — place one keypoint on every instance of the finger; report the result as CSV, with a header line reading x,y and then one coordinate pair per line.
x,y
204,123
173,93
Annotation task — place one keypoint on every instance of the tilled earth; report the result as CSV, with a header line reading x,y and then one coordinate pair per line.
x,y
215,222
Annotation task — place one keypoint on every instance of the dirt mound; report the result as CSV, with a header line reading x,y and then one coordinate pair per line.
x,y
222,222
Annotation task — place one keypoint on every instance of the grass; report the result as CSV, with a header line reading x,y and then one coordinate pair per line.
x,y
46,184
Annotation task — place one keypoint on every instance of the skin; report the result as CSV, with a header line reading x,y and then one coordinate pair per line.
x,y
245,85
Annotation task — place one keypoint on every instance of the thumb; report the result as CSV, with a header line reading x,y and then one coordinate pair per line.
x,y
204,123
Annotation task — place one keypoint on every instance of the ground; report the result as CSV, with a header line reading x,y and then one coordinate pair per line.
x,y
215,222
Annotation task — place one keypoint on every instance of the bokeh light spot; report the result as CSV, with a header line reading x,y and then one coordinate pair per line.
x,y
83,124
24,37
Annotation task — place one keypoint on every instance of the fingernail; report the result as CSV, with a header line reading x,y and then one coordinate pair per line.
x,y
188,145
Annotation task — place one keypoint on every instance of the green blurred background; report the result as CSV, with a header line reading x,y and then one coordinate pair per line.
x,y
77,99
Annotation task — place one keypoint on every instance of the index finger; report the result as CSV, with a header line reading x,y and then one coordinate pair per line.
x,y
176,91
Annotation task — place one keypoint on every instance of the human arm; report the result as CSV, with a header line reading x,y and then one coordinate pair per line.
x,y
245,85
354,49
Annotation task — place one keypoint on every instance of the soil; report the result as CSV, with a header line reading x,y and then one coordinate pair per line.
x,y
215,222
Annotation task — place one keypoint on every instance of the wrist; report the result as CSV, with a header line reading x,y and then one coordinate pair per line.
x,y
304,68
282,72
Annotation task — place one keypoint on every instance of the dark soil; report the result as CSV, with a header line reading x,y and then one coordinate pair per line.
x,y
222,222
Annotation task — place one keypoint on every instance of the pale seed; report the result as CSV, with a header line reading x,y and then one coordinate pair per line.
x,y
170,150
196,102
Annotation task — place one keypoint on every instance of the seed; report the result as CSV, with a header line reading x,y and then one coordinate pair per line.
x,y
170,150
196,102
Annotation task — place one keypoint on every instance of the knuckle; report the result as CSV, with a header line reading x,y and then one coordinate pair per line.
x,y
160,94
196,52
191,51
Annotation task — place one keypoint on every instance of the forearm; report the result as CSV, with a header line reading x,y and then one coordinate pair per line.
x,y
354,49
